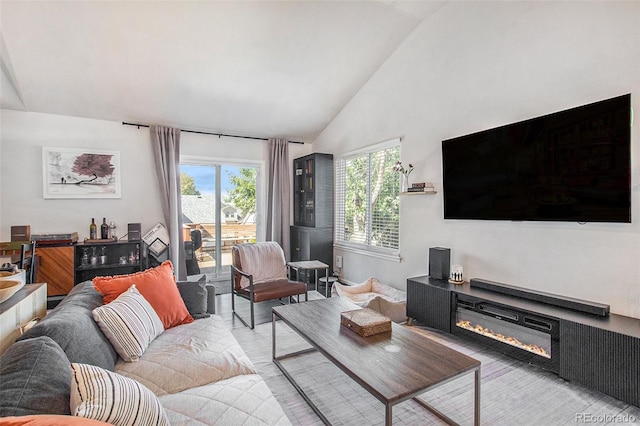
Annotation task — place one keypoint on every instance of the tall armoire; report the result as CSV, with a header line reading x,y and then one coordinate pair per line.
x,y
312,233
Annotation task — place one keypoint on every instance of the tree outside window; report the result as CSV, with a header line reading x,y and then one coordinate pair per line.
x,y
368,206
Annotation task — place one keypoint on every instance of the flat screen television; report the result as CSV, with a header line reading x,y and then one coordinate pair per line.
x,y
572,166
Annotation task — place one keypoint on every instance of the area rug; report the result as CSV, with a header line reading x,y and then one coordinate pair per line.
x,y
512,392
262,310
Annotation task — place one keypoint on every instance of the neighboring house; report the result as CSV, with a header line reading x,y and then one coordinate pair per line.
x,y
230,214
249,219
198,209
202,209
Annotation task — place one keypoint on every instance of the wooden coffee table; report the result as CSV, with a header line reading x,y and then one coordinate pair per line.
x,y
399,365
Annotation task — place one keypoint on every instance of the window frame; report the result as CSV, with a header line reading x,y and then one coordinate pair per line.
x,y
365,248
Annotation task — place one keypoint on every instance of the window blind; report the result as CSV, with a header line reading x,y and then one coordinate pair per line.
x,y
367,198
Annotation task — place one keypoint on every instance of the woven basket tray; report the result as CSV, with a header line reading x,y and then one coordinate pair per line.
x,y
366,322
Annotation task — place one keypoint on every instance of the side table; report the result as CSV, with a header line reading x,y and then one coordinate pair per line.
x,y
310,265
328,281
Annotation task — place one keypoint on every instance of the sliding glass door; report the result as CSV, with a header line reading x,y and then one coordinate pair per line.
x,y
219,209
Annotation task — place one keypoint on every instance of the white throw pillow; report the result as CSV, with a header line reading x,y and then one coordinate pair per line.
x,y
130,324
106,396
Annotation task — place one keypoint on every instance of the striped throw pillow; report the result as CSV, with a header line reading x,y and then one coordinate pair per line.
x,y
98,394
130,324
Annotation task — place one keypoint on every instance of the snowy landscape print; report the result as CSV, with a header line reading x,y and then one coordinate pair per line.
x,y
77,173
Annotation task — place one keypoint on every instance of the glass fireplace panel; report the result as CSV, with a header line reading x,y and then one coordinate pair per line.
x,y
525,338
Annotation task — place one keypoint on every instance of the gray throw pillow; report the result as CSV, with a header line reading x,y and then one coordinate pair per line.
x,y
72,327
35,378
194,294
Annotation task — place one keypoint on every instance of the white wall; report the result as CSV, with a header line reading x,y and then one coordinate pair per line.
x,y
477,65
24,134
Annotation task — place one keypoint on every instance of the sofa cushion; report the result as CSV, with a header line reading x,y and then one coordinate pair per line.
x,y
102,395
34,378
240,400
191,355
157,285
194,294
130,324
72,327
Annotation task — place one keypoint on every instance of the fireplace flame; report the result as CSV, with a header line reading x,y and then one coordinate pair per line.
x,y
502,338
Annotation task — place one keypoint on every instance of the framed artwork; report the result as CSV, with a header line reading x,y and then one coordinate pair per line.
x,y
80,173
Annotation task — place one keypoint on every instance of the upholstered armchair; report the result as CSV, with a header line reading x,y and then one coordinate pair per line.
x,y
372,294
259,273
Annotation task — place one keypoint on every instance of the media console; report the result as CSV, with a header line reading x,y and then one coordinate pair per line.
x,y
578,340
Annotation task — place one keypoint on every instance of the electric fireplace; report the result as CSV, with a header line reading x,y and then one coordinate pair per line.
x,y
580,340
530,337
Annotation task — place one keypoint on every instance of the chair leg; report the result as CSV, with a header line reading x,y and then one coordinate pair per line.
x,y
253,323
233,309
233,300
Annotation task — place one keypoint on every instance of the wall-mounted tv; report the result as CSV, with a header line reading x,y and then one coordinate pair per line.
x,y
572,166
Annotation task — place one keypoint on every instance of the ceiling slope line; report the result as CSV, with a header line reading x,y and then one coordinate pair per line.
x,y
7,70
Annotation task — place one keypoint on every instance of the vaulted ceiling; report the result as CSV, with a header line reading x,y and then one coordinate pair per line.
x,y
260,68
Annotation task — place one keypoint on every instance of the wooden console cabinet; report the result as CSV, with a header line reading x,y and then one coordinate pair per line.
x,y
599,352
55,267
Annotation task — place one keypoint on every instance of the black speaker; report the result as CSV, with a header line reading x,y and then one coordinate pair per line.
x,y
439,263
135,231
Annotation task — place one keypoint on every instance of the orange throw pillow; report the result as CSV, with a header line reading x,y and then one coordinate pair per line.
x,y
157,285
48,420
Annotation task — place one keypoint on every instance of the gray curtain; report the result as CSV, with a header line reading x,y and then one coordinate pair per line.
x,y
166,152
278,195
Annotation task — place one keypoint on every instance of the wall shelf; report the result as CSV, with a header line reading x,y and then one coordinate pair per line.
x,y
419,193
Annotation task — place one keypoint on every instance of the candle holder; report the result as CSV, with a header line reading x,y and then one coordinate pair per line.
x,y
456,274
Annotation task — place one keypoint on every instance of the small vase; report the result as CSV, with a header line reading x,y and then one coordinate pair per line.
x,y
404,183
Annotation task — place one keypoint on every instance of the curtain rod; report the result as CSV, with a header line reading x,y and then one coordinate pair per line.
x,y
210,133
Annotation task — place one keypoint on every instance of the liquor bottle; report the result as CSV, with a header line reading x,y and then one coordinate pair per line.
x,y
93,230
112,231
104,229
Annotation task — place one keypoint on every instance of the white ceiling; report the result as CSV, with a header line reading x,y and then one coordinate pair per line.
x,y
260,68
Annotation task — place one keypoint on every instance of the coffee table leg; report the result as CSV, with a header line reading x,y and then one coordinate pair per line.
x,y
388,415
476,402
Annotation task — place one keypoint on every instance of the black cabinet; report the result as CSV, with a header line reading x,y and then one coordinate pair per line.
x,y
312,244
600,352
312,233
429,301
106,259
313,191
604,357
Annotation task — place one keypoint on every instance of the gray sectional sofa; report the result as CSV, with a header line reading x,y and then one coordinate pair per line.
x,y
197,371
